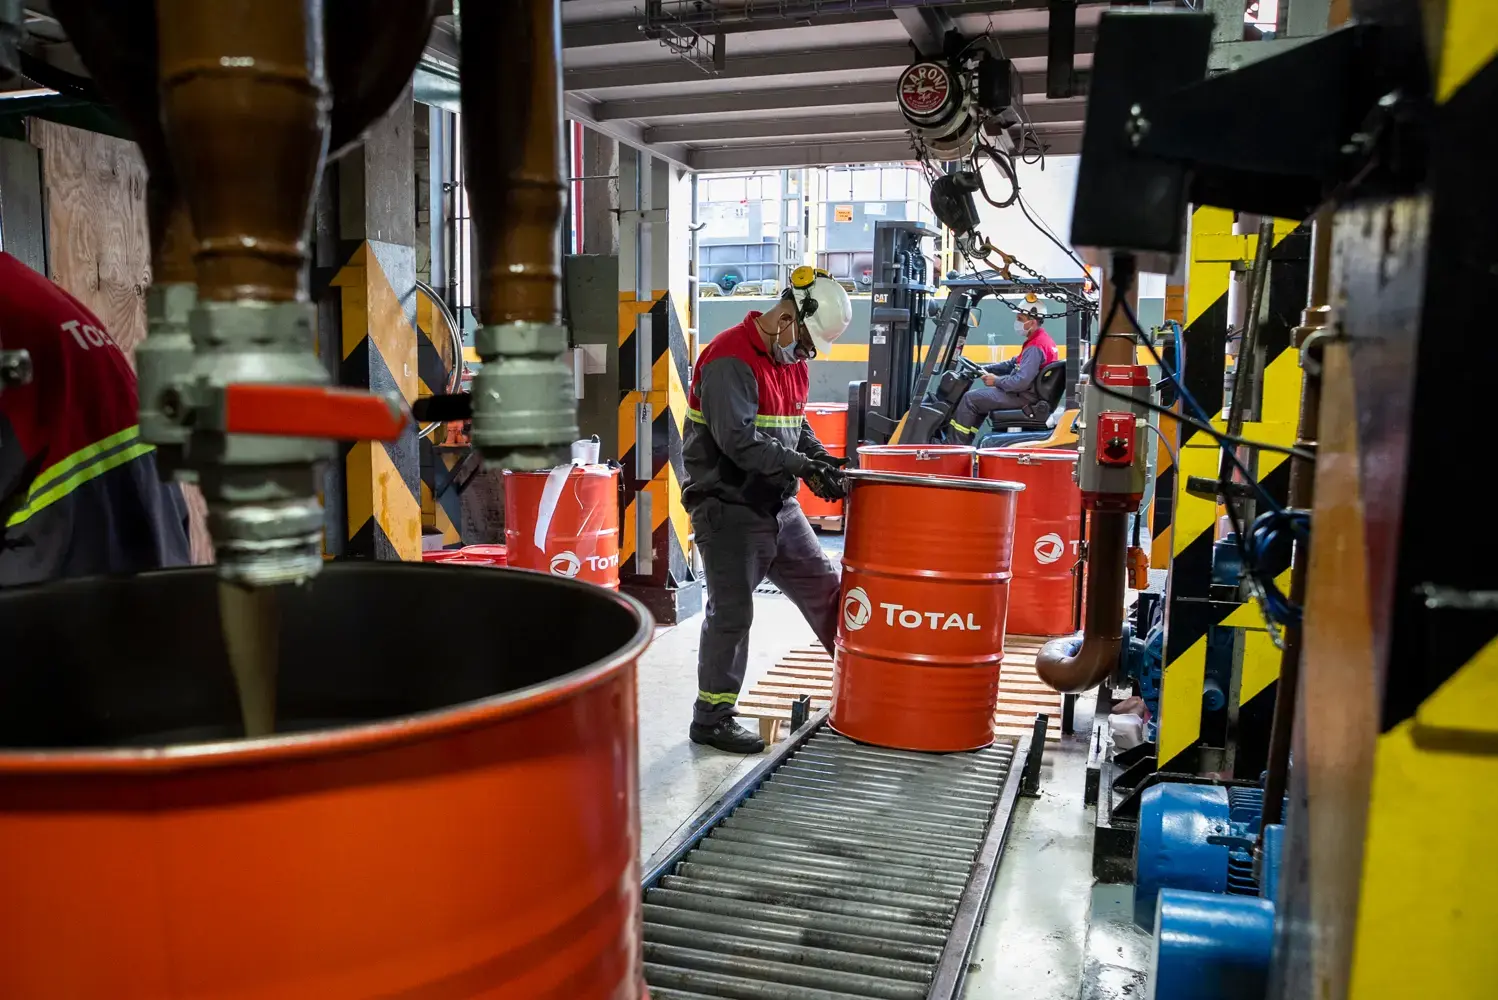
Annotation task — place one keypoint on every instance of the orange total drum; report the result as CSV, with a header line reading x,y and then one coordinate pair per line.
x,y
1047,536
582,538
829,422
461,827
919,459
921,634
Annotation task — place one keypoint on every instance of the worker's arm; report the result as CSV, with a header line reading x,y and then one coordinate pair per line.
x,y
1001,368
730,402
811,447
1024,372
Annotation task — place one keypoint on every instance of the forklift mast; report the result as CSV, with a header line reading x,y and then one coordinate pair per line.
x,y
903,279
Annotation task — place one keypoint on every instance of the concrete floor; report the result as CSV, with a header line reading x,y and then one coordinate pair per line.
x,y
1032,942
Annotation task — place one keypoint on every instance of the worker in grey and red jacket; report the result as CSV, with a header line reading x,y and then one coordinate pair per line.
x,y
79,490
1008,385
745,445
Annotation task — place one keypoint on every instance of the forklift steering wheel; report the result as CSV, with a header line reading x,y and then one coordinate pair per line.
x,y
968,368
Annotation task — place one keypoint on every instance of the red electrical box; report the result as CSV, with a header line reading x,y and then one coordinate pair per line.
x,y
1115,439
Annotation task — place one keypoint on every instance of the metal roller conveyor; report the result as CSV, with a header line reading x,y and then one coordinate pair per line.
x,y
832,871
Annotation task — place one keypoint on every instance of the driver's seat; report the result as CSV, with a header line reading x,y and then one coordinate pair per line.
x,y
1050,385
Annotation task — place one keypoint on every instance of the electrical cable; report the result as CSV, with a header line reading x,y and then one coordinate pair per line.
x,y
1006,167
1253,545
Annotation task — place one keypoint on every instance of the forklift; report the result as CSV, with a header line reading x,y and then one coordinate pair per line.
x,y
900,403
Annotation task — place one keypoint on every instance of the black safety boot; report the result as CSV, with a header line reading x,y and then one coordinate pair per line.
x,y
727,735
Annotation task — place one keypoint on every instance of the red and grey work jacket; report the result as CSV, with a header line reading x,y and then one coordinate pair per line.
x,y
79,492
746,438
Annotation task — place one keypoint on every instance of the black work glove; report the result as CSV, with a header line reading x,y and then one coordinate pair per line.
x,y
824,480
836,461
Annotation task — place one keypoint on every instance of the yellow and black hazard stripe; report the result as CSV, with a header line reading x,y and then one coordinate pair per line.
x,y
1193,609
441,507
670,373
1425,896
379,352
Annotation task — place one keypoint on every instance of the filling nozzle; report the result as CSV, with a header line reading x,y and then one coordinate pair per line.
x,y
524,404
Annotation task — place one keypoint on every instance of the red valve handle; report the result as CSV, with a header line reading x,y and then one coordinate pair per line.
x,y
311,411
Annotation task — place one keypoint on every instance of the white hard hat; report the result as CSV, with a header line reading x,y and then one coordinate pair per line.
x,y
823,305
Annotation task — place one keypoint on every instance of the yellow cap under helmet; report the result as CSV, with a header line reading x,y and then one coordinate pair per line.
x,y
823,305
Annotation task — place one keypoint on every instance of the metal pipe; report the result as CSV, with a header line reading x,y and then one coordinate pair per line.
x,y
735,942
244,102
809,830
738,989
904,881
525,411
1107,547
1102,628
888,892
806,897
951,867
735,970
760,930
1302,492
738,908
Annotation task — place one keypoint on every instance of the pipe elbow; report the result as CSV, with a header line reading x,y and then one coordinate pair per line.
x,y
1082,671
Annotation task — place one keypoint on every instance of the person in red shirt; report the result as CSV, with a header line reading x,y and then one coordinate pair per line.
x,y
745,447
79,489
1008,385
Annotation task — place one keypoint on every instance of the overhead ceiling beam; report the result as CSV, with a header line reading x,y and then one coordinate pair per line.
x,y
771,128
813,154
664,72
787,14
927,28
865,123
748,101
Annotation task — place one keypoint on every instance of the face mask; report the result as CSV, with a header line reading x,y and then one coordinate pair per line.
x,y
784,355
1019,328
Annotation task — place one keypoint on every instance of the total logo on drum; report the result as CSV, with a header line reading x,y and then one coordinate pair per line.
x,y
858,611
569,564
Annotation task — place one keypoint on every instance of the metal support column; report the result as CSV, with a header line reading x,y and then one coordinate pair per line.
x,y
653,375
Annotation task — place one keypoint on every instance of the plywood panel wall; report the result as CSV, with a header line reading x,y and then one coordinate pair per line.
x,y
98,245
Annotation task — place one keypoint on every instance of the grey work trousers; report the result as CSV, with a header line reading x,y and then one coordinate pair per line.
x,y
741,547
977,403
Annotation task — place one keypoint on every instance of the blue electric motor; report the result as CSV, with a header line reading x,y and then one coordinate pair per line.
x,y
1196,837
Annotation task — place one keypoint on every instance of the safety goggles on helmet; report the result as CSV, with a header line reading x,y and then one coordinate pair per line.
x,y
823,308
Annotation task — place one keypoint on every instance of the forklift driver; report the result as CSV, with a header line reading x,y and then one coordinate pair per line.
x,y
1008,385
745,445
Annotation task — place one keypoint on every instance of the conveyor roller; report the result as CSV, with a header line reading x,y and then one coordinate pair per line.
x,y
833,871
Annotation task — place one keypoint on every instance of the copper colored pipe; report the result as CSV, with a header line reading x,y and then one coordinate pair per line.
x,y
1107,552
512,135
244,104
1102,625
370,58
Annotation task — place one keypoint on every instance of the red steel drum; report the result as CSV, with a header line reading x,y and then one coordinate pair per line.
x,y
919,459
498,554
829,422
460,827
924,597
1047,536
582,541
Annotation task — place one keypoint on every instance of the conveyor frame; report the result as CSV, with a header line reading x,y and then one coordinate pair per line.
x,y
952,966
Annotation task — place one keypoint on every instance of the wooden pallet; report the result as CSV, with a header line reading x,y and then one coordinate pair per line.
x,y
827,523
808,671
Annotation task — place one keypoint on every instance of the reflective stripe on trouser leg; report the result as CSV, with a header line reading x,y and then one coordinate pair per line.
x,y
738,546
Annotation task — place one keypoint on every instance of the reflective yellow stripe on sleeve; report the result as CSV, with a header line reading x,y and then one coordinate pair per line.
x,y
82,466
765,420
696,417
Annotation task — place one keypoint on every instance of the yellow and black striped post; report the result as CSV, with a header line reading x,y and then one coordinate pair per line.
x,y
654,369
1394,891
382,480
1194,608
441,508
